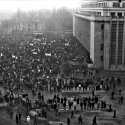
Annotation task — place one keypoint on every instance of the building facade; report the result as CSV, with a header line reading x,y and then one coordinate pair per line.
x,y
100,26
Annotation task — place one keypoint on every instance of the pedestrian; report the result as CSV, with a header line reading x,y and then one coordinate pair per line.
x,y
74,104
114,115
11,114
110,108
17,119
35,120
120,91
64,105
93,93
56,111
112,94
72,114
81,105
122,99
28,120
94,121
80,119
20,115
70,105
68,121
85,104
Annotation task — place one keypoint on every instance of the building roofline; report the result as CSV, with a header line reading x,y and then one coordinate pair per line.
x,y
93,18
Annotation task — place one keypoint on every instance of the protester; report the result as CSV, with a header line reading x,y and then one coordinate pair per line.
x,y
28,120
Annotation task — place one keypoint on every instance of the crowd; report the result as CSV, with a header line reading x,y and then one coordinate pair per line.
x,y
47,62
35,60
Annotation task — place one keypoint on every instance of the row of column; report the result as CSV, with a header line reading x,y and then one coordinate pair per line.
x,y
119,43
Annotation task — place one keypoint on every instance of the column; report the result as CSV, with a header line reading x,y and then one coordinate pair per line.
x,y
107,42
123,47
123,52
116,54
74,25
92,38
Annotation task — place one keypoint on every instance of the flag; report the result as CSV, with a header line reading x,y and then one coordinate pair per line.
x,y
47,54
1,54
38,50
66,44
33,50
13,56
31,44
34,53
44,43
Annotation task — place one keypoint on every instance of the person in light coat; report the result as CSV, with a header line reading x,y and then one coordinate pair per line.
x,y
28,120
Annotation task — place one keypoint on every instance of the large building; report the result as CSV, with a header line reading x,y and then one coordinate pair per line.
x,y
100,26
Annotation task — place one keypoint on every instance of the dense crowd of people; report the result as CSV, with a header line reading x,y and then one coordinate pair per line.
x,y
35,60
48,62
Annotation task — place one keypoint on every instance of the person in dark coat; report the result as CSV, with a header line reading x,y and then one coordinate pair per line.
x,y
68,121
72,114
114,115
11,114
80,119
121,98
20,115
94,121
35,120
17,119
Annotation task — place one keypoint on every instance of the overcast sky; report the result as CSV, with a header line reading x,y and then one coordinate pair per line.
x,y
25,5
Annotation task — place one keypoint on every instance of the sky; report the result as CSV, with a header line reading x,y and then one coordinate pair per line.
x,y
27,5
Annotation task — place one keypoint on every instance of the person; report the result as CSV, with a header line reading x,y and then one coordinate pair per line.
x,y
68,121
85,104
81,105
80,119
74,103
120,91
56,111
28,119
45,114
79,87
20,116
70,105
94,121
93,93
112,94
17,119
11,114
110,108
64,105
122,99
114,115
72,114
35,120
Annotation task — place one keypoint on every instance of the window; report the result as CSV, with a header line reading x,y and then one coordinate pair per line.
x,y
112,14
119,15
101,58
116,4
102,47
102,26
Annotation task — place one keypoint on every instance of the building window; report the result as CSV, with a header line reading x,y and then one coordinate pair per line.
x,y
99,13
120,15
102,26
116,4
101,58
112,14
102,47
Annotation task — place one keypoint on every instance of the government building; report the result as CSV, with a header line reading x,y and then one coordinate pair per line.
x,y
100,26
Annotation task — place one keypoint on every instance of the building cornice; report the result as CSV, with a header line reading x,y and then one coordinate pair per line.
x,y
94,18
104,9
